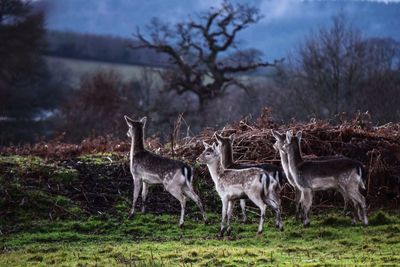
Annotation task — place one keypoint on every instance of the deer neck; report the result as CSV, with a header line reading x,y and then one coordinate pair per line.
x,y
137,144
216,169
227,157
294,159
285,165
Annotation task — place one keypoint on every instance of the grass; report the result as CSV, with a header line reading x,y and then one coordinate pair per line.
x,y
156,240
30,189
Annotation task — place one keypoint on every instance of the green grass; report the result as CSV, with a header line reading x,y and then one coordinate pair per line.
x,y
151,240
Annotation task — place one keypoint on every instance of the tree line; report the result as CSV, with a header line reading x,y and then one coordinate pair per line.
x,y
335,72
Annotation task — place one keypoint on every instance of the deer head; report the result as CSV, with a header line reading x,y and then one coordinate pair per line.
x,y
210,155
134,125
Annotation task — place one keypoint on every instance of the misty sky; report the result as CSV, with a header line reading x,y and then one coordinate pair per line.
x,y
285,23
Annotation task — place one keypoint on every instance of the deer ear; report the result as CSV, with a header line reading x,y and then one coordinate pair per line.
x,y
277,135
214,146
218,137
143,120
289,135
128,120
299,134
205,144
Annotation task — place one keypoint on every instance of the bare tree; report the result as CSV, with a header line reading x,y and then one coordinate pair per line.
x,y
203,52
337,70
94,107
332,64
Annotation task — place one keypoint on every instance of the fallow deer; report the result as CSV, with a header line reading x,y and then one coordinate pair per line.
x,y
342,174
231,185
225,143
278,145
148,168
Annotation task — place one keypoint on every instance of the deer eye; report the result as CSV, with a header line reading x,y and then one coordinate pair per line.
x,y
208,153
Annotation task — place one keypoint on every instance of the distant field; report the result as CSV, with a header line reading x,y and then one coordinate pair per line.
x,y
77,68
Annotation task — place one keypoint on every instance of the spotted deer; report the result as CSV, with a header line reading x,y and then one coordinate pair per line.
x,y
148,169
231,185
342,174
227,162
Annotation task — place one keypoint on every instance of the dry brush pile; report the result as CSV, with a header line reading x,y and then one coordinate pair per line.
x,y
102,183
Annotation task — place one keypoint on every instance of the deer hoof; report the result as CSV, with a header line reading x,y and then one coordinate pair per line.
x,y
181,225
229,231
259,233
221,233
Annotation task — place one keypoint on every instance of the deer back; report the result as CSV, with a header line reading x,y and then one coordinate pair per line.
x,y
323,174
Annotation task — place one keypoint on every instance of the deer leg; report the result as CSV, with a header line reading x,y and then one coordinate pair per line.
x,y
243,207
342,191
183,206
297,198
145,191
137,184
189,192
230,210
274,204
307,203
355,211
224,211
361,206
258,200
176,191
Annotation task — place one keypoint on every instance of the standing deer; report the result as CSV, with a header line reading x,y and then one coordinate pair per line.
x,y
280,141
225,143
148,169
231,185
341,174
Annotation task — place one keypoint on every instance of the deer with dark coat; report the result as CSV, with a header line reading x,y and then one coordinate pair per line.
x,y
342,174
148,169
278,145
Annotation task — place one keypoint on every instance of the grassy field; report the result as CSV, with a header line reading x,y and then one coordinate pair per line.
x,y
77,68
156,240
32,189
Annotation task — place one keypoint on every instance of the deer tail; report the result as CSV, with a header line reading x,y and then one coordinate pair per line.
x,y
188,173
278,178
361,176
265,181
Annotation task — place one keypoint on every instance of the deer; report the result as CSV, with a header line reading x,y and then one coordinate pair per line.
x,y
342,174
227,162
232,184
149,169
278,145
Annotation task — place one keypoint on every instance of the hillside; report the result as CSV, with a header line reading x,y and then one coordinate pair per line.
x,y
74,69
